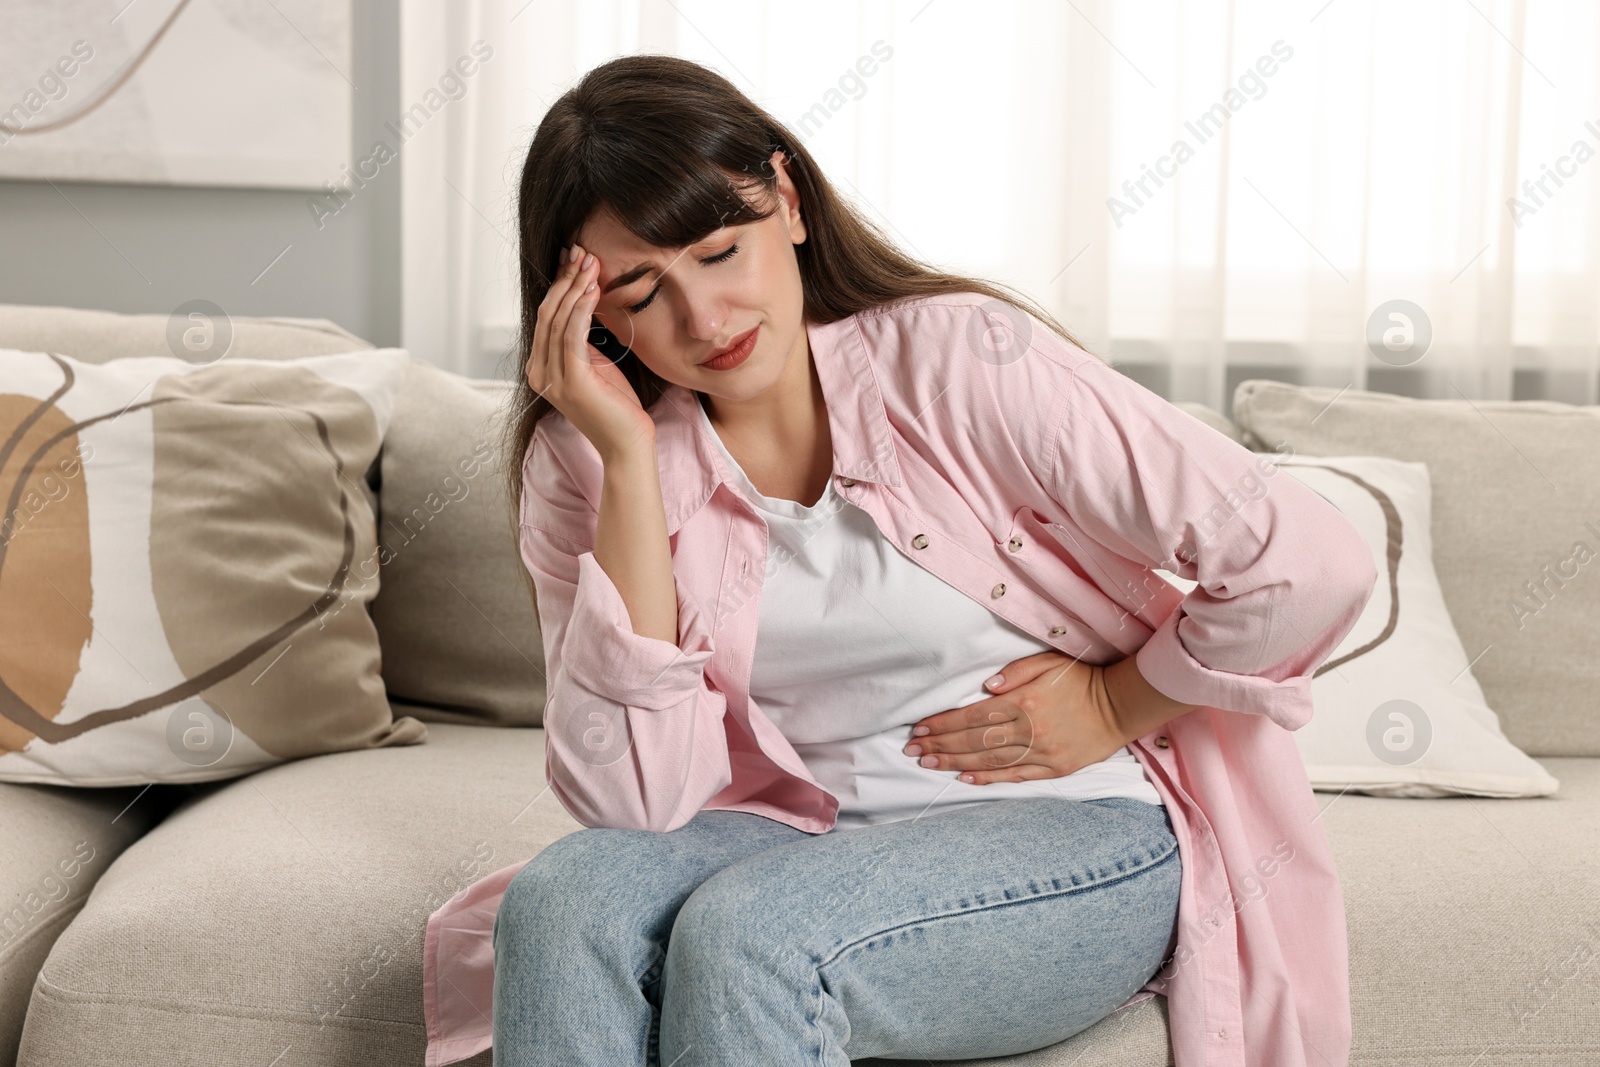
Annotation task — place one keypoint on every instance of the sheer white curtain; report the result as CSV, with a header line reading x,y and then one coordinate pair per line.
x,y
1203,190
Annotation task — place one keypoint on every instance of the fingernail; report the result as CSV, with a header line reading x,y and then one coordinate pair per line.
x,y
930,761
998,679
913,750
921,731
572,254
588,289
588,258
966,777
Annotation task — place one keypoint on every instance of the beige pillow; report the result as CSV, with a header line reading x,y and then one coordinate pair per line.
x,y
1516,531
454,610
181,585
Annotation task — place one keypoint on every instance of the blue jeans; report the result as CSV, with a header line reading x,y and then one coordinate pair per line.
x,y
737,940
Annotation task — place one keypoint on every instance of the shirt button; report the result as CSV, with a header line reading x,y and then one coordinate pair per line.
x,y
1162,742
847,481
999,590
919,541
1222,1034
1014,544
1057,631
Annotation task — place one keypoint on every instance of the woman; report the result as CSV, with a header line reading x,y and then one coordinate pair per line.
x,y
887,738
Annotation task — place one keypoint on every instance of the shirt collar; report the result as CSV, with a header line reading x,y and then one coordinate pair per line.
x,y
863,446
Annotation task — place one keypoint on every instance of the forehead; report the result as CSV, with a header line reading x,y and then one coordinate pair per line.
x,y
604,235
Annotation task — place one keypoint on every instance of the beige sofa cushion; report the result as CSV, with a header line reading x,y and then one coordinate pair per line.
x,y
1516,529
455,606
287,910
58,842
1474,924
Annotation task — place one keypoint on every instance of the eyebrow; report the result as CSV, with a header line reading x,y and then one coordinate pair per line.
x,y
627,278
633,274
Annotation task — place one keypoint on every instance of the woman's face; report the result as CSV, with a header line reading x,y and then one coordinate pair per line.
x,y
679,307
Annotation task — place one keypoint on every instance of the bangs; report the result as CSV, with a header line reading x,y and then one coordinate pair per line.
x,y
669,198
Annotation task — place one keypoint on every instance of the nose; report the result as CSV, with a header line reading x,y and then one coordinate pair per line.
x,y
707,313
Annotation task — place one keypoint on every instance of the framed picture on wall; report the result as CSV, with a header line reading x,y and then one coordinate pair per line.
x,y
173,92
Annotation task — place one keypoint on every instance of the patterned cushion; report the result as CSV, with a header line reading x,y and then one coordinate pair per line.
x,y
185,562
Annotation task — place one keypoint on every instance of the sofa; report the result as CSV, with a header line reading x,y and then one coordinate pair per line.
x,y
277,918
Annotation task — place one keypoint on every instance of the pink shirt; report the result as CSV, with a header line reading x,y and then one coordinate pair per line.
x,y
1047,487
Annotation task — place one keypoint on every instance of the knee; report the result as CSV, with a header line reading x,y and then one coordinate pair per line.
x,y
560,893
524,899
725,923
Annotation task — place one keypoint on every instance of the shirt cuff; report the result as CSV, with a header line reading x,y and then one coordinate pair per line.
x,y
1167,665
603,654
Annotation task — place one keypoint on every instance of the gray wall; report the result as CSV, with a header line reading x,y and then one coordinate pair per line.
x,y
153,247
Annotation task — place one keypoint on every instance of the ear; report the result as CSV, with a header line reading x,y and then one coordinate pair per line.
x,y
791,196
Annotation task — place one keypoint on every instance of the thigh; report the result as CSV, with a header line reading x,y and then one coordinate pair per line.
x,y
606,884
984,931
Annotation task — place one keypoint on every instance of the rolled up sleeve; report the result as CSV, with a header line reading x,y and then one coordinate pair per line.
x,y
634,735
1282,575
611,660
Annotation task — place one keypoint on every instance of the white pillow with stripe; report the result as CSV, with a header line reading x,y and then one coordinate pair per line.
x,y
1398,712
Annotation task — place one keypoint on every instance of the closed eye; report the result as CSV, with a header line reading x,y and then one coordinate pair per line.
x,y
720,257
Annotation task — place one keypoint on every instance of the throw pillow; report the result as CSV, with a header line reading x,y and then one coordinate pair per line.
x,y
1398,711
181,552
1516,532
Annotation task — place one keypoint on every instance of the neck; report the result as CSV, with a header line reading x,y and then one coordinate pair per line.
x,y
786,419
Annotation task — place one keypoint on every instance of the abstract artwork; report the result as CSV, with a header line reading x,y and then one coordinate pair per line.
x,y
177,92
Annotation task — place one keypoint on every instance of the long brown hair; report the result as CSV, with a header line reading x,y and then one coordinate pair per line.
x,y
650,138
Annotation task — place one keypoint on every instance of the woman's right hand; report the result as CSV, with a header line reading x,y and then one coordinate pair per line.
x,y
572,374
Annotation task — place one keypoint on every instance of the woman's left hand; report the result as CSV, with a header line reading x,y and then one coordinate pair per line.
x,y
1050,715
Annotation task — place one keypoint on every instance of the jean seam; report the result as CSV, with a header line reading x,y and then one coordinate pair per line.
x,y
1069,891
815,1023
652,1035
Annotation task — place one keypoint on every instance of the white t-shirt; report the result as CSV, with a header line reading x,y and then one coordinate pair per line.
x,y
855,642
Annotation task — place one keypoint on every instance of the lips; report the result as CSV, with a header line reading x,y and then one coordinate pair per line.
x,y
737,346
